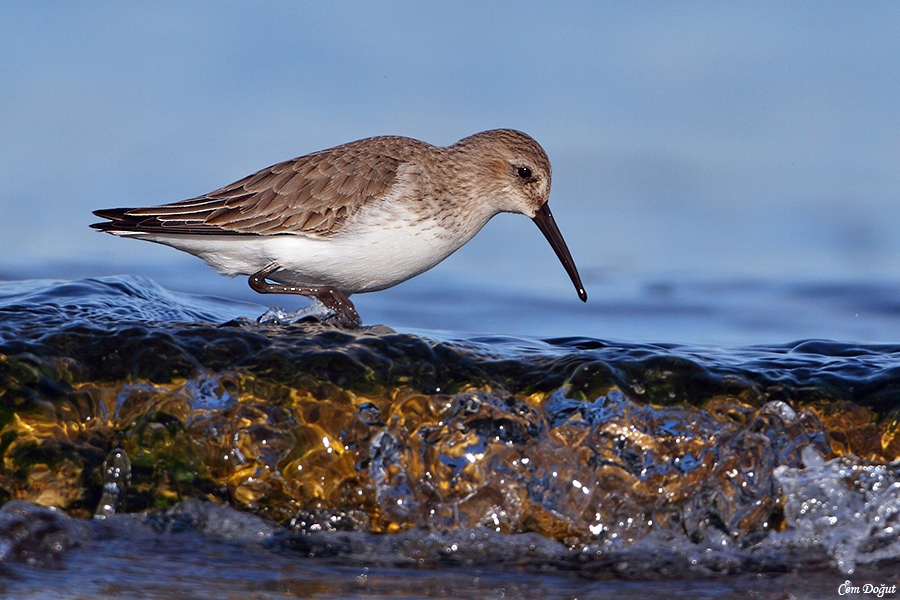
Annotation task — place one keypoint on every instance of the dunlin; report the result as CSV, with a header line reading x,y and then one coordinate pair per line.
x,y
355,218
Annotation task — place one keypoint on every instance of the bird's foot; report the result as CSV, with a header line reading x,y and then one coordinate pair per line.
x,y
338,308
343,312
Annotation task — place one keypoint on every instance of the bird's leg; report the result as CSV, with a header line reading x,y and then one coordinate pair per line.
x,y
331,297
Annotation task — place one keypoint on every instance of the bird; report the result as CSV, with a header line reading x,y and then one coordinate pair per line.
x,y
359,217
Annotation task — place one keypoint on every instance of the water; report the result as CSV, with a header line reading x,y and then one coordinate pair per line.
x,y
686,310
301,460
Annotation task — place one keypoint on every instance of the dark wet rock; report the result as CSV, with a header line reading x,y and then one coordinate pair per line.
x,y
38,535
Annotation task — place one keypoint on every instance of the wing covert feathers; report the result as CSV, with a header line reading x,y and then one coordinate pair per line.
x,y
313,194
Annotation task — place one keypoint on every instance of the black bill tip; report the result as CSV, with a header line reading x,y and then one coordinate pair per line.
x,y
544,220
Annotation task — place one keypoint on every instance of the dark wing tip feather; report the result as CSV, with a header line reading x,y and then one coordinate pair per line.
x,y
118,219
113,214
131,220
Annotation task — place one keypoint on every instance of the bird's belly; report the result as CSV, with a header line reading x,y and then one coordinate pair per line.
x,y
367,261
364,260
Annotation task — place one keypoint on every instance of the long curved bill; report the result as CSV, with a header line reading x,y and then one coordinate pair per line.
x,y
544,220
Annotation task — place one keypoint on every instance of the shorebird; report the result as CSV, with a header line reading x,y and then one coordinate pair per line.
x,y
359,217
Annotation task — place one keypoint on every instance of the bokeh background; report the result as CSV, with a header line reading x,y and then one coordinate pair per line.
x,y
723,173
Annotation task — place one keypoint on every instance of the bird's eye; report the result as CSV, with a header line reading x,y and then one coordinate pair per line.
x,y
524,172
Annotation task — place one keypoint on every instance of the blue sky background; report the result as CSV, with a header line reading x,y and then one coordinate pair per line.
x,y
717,141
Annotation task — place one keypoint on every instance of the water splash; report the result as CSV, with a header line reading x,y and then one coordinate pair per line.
x,y
848,506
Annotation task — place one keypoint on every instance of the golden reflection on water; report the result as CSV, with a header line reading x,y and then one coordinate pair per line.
x,y
311,453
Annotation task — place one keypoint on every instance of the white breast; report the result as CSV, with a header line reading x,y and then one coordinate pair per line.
x,y
388,247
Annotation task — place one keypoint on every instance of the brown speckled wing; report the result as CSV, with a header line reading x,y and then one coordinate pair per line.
x,y
314,195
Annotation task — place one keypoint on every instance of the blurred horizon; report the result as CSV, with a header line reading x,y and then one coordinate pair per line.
x,y
689,142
